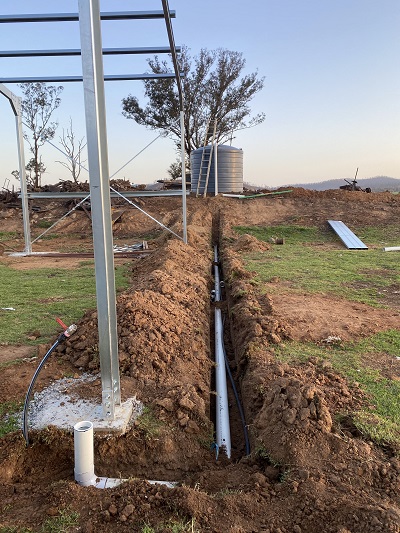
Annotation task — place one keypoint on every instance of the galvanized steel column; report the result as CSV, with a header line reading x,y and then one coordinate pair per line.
x,y
183,166
93,84
22,179
16,105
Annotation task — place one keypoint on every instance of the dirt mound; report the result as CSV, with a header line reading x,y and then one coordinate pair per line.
x,y
248,243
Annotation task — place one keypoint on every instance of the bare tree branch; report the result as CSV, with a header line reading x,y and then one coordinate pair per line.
x,y
73,152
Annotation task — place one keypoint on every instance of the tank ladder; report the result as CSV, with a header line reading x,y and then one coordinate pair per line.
x,y
205,163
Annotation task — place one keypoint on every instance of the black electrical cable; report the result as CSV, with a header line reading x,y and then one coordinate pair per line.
x,y
69,331
238,402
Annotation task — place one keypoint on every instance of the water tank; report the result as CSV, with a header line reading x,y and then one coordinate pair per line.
x,y
230,169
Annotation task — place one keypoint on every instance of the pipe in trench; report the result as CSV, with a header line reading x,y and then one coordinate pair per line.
x,y
84,461
223,432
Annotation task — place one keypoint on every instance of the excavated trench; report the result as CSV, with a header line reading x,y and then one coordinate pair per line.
x,y
166,345
238,429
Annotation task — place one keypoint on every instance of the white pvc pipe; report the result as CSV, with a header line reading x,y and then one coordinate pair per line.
x,y
223,432
84,461
84,454
392,249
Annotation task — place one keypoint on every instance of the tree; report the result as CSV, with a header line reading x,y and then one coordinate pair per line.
x,y
175,169
73,151
34,169
30,167
213,89
38,104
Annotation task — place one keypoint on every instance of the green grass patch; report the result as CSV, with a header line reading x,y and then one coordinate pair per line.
x,y
381,420
44,223
373,235
39,296
9,417
304,265
64,522
148,423
7,236
291,234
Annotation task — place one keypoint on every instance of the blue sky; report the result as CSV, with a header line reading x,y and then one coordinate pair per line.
x,y
331,95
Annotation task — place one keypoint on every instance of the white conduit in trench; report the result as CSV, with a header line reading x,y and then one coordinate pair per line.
x,y
223,432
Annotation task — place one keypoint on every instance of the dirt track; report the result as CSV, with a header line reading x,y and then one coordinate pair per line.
x,y
303,475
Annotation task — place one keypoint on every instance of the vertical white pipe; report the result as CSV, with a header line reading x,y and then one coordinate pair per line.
x,y
84,454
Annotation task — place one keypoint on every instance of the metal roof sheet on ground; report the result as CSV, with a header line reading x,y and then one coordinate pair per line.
x,y
350,240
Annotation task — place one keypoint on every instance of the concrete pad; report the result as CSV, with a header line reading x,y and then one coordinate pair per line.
x,y
59,405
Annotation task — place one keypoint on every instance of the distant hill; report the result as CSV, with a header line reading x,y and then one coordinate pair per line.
x,y
377,184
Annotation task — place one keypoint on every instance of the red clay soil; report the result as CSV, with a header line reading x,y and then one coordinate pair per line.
x,y
304,474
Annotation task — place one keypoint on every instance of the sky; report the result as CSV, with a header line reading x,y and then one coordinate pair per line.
x,y
331,95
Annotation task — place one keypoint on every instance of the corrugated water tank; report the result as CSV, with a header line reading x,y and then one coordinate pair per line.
x,y
229,166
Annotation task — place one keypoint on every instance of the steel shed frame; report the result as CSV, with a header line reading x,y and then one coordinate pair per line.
x,y
93,78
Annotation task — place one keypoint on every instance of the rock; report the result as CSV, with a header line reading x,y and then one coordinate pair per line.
x,y
128,510
82,361
289,416
166,403
304,413
183,421
113,510
259,478
192,427
186,403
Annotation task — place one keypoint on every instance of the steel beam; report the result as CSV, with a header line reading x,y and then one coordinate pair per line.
x,y
126,194
66,79
74,17
171,39
96,134
77,52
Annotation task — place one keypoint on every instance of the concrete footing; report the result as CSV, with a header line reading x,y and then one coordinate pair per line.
x,y
61,405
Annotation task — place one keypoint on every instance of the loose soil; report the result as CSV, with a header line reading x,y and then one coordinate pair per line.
x,y
305,473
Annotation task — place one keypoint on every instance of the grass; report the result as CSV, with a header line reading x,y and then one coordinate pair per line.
x,y
148,423
7,236
9,417
364,276
315,261
44,223
380,420
65,522
40,295
61,523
